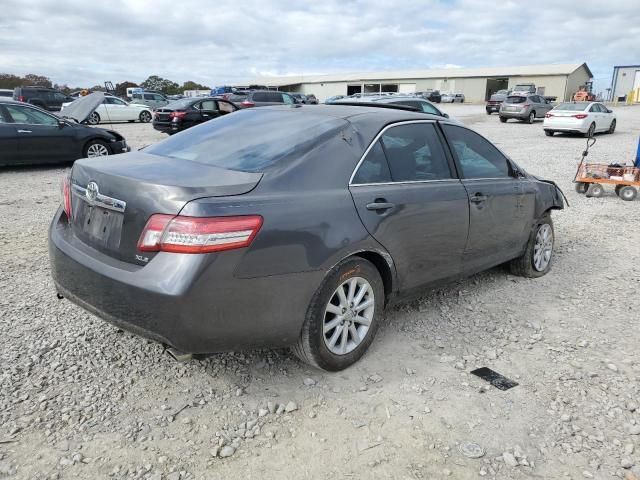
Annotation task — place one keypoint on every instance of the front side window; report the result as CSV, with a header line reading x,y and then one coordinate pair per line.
x,y
374,167
208,105
477,157
30,116
261,97
288,99
148,96
158,98
414,153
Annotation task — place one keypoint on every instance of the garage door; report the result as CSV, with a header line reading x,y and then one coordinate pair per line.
x,y
407,88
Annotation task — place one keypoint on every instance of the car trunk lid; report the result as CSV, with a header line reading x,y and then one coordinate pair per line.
x,y
112,198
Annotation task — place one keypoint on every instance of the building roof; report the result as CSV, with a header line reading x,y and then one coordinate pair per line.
x,y
527,70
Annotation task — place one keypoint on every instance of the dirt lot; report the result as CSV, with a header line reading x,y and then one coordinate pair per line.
x,y
81,399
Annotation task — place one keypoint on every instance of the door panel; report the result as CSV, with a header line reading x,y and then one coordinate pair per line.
x,y
8,143
424,229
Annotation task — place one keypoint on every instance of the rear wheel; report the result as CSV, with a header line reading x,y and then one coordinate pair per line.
x,y
532,117
145,117
343,316
595,190
612,127
628,193
489,112
503,119
96,148
591,131
536,259
93,119
549,133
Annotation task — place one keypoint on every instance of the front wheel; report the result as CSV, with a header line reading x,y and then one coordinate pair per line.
x,y
503,119
536,259
145,117
94,119
581,187
595,190
343,316
96,148
612,127
628,193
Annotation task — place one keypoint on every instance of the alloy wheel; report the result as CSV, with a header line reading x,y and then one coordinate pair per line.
x,y
348,316
93,119
145,117
97,150
543,247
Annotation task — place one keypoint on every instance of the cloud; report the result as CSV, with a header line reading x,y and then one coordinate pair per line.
x,y
86,43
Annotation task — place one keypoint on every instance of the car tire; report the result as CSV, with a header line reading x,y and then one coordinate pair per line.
x,y
549,133
532,117
489,112
612,127
503,119
538,255
144,117
628,193
591,132
93,119
96,148
322,327
581,187
595,190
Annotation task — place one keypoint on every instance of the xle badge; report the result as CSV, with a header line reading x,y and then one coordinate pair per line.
x,y
140,258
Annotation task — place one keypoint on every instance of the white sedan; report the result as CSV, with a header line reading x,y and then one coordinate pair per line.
x,y
452,98
586,118
114,109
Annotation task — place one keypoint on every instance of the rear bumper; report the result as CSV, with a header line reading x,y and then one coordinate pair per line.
x,y
166,127
492,108
519,115
194,303
120,146
560,125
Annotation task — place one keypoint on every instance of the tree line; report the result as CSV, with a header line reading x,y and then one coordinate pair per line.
x,y
154,82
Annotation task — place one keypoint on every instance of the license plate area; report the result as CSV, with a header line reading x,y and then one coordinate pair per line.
x,y
101,226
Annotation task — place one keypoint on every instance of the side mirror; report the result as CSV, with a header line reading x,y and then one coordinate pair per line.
x,y
62,123
445,115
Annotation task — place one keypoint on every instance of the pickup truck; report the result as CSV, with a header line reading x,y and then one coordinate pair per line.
x,y
530,89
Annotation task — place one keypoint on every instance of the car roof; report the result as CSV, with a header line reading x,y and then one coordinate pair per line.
x,y
395,98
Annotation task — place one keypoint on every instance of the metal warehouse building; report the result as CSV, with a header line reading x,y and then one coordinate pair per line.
x,y
626,79
477,84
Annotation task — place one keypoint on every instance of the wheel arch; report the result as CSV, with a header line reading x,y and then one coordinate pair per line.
x,y
384,266
96,137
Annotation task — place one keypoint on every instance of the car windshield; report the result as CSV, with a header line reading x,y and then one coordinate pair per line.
x,y
249,140
516,99
522,88
502,92
178,104
572,107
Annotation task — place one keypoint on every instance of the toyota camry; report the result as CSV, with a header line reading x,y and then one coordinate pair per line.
x,y
292,226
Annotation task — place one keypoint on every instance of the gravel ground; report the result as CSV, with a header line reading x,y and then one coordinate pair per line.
x,y
81,399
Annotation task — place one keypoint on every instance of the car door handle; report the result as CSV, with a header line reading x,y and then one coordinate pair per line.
x,y
478,198
380,206
25,131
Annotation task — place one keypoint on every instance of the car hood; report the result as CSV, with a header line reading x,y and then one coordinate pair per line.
x,y
80,109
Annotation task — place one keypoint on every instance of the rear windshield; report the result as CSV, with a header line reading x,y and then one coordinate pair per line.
x,y
572,107
249,140
182,103
516,99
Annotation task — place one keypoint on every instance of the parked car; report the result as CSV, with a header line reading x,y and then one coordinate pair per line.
x,y
114,109
407,100
431,95
334,98
524,89
299,97
260,98
452,98
31,135
186,113
45,98
586,118
493,105
311,99
150,99
5,92
329,213
524,107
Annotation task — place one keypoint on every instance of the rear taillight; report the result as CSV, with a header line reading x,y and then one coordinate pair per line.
x,y
168,233
580,116
247,103
66,196
548,115
177,114
526,105
21,98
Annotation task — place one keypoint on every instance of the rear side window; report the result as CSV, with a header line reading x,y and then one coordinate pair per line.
x,y
2,120
374,167
261,97
250,140
414,153
148,96
477,157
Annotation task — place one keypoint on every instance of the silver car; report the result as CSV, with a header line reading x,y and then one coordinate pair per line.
x,y
150,99
524,107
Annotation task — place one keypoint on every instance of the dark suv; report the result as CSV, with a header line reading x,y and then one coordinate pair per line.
x,y
431,95
260,98
43,97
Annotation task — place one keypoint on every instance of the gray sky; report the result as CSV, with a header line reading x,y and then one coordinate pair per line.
x,y
83,43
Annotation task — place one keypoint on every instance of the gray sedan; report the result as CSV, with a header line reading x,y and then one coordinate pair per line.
x,y
524,107
292,226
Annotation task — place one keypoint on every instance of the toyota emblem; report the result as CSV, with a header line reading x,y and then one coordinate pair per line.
x,y
92,191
